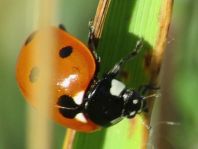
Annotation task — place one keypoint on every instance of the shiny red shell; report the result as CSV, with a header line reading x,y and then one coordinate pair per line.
x,y
71,76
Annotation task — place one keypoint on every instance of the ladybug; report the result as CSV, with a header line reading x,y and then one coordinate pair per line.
x,y
81,101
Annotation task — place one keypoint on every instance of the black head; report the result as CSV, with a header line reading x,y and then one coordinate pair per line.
x,y
134,103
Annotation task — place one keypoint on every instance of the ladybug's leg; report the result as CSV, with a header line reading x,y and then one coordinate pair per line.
x,y
92,41
116,69
62,27
143,89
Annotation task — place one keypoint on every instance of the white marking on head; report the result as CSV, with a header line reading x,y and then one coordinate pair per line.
x,y
125,96
80,117
132,113
135,101
116,87
78,98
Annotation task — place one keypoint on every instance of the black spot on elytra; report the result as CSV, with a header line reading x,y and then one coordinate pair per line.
x,y
31,36
62,27
34,74
67,107
65,51
66,101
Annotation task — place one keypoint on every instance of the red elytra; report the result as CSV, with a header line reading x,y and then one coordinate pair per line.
x,y
73,68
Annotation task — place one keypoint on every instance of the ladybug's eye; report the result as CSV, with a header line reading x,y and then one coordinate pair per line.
x,y
65,51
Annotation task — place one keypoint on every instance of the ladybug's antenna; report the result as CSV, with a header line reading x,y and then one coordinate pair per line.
x,y
156,95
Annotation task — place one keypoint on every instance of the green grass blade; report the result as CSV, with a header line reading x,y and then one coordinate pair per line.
x,y
125,23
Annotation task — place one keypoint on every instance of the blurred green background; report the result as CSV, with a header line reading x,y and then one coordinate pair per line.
x,y
179,73
180,80
16,21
